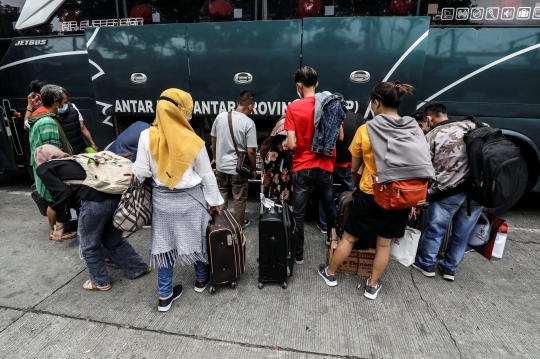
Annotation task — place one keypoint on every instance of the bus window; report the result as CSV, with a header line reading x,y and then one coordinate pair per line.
x,y
483,13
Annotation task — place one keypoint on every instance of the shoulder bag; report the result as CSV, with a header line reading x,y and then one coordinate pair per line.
x,y
243,166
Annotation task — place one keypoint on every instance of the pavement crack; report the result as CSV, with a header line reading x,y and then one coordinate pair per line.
x,y
436,315
57,289
522,242
190,336
13,322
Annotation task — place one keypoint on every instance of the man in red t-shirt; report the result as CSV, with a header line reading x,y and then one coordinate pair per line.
x,y
311,170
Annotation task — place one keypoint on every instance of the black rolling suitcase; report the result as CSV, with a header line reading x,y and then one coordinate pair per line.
x,y
277,242
226,250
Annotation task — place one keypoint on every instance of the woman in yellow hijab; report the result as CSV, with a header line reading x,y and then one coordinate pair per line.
x,y
184,190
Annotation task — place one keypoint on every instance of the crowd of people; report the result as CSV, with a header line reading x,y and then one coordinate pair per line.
x,y
305,153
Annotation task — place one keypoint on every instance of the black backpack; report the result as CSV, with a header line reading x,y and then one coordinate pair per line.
x,y
496,166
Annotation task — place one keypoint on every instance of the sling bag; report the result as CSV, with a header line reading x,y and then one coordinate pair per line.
x,y
243,166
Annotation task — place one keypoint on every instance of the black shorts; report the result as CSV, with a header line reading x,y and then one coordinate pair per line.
x,y
367,220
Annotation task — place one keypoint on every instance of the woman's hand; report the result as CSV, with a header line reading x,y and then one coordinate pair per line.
x,y
413,213
216,208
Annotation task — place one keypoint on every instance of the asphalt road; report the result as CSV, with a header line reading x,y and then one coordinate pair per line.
x,y
490,311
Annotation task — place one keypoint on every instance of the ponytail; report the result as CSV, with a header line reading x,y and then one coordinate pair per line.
x,y
389,93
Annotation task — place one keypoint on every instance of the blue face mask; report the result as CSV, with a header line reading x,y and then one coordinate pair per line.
x,y
63,109
188,119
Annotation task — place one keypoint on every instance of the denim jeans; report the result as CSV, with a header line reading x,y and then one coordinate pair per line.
x,y
343,176
105,253
165,277
96,228
303,183
440,213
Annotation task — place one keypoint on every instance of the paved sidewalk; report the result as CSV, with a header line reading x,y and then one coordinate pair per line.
x,y
490,311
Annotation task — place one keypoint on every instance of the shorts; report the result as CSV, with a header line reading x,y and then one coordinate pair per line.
x,y
367,220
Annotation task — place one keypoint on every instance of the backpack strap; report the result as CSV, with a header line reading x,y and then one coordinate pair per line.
x,y
232,132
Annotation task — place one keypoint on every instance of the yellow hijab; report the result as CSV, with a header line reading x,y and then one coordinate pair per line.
x,y
173,143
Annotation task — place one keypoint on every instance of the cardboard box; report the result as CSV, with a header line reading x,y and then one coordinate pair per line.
x,y
359,262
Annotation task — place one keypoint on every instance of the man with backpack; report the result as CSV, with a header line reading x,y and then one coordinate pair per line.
x,y
447,194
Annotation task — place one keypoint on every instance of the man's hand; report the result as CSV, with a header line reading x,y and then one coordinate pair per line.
x,y
253,174
34,99
57,234
412,215
216,208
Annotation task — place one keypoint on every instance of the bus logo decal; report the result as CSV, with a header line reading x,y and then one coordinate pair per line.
x,y
243,78
138,78
359,76
31,42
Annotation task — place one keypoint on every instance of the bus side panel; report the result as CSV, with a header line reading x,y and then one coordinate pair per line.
x,y
7,157
265,54
335,47
132,65
455,53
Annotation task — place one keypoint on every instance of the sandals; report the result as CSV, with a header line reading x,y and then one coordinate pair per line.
x,y
88,285
65,236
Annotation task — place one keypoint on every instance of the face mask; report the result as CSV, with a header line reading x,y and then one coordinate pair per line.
x,y
298,92
63,109
188,119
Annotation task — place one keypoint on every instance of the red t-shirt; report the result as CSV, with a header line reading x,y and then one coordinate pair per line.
x,y
299,118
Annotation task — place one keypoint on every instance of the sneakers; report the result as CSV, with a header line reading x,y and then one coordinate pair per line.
x,y
247,222
165,304
447,273
299,261
323,231
201,286
371,292
330,279
427,271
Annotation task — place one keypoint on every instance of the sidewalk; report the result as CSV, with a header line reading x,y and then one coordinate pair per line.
x,y
490,311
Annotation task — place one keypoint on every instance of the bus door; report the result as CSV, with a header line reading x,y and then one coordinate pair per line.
x,y
227,57
132,65
352,55
58,60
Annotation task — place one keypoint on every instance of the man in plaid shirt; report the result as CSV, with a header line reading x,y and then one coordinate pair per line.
x,y
46,129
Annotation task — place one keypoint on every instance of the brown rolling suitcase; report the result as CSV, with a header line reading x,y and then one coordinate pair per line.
x,y
226,250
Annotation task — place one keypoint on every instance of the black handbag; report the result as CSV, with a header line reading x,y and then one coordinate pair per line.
x,y
243,166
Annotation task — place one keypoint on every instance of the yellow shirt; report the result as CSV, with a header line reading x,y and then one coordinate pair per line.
x,y
361,148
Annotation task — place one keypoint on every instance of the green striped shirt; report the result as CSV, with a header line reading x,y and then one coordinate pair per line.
x,y
43,132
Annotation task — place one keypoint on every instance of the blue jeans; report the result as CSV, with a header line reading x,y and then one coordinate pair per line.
x,y
105,253
96,228
343,176
440,213
304,182
165,277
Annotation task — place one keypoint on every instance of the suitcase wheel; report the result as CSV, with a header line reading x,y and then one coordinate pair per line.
x,y
233,284
260,285
212,289
284,285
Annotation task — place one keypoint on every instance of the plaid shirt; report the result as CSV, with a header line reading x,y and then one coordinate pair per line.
x,y
43,132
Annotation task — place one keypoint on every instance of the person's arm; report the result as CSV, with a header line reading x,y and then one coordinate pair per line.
x,y
291,140
210,188
252,154
32,102
213,150
88,136
141,166
355,167
341,135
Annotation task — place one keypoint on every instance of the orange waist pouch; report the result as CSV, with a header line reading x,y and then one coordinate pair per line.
x,y
401,194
